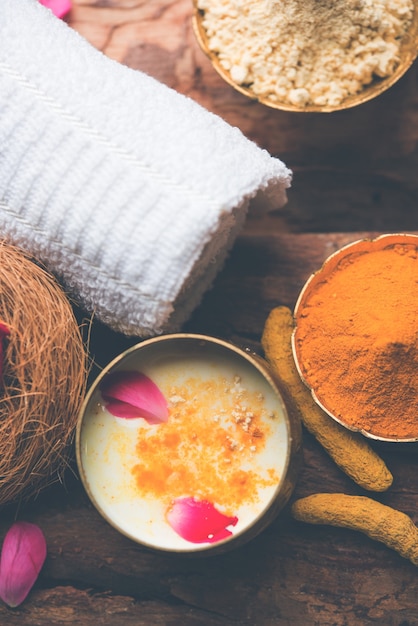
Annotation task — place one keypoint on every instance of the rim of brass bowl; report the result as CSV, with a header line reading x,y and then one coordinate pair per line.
x,y
330,263
408,53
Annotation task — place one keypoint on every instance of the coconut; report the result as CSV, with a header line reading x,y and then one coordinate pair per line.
x,y
44,374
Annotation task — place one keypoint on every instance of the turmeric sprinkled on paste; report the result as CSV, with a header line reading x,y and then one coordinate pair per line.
x,y
208,447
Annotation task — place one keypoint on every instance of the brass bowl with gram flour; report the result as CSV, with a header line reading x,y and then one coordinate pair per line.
x,y
186,444
305,55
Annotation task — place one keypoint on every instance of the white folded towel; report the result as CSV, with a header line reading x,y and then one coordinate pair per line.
x,y
130,192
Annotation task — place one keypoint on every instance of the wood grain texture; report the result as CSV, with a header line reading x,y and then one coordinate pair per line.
x,y
355,175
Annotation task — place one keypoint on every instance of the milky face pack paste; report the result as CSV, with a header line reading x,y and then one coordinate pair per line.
x,y
211,470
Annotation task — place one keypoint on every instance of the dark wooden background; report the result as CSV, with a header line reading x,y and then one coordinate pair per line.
x,y
355,174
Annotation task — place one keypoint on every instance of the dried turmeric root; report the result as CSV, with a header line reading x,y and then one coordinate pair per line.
x,y
349,450
378,521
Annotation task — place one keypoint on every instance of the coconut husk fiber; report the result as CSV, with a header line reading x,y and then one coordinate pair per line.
x,y
44,377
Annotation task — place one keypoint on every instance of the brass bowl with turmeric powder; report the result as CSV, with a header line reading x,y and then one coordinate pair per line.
x,y
305,55
355,342
186,444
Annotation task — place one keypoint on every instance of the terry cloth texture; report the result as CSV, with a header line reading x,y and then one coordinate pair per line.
x,y
131,193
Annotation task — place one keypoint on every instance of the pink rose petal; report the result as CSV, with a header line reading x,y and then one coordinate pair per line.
x,y
131,394
22,557
199,521
58,7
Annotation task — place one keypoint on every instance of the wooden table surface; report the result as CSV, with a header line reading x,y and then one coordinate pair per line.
x,y
355,173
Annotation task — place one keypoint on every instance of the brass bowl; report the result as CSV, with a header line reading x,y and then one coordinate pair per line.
x,y
339,261
200,376
408,53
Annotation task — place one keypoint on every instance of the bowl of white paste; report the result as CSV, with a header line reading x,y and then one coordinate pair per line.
x,y
205,457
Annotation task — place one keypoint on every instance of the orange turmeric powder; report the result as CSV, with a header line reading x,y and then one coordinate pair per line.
x,y
350,451
357,340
